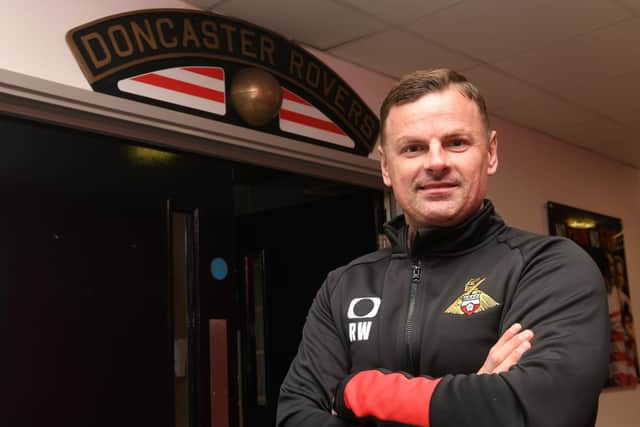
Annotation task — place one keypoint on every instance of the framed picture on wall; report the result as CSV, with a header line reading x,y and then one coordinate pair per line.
x,y
603,238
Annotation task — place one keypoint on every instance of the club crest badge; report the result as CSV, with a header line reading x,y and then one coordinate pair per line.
x,y
473,300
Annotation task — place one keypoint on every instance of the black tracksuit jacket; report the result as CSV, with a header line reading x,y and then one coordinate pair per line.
x,y
435,310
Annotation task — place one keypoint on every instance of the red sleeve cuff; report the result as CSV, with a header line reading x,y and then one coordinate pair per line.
x,y
390,397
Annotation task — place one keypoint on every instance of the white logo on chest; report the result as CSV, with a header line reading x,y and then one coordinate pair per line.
x,y
359,331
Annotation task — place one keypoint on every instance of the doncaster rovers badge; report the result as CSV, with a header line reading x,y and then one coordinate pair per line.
x,y
472,300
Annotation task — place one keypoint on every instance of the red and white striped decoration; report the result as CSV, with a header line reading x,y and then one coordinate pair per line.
x,y
300,117
200,88
622,356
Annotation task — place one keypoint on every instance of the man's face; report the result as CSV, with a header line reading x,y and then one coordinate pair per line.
x,y
437,156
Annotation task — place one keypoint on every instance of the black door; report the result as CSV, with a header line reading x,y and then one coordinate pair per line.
x,y
207,391
87,288
85,282
287,252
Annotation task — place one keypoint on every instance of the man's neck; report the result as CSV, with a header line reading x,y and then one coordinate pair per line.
x,y
411,235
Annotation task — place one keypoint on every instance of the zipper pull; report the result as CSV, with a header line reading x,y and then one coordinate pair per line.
x,y
416,271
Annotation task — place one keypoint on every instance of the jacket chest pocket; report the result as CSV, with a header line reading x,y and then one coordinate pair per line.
x,y
461,343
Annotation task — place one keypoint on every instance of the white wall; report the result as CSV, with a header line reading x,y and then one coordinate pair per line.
x,y
32,33
533,169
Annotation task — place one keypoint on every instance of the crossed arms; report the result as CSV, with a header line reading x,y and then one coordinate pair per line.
x,y
552,380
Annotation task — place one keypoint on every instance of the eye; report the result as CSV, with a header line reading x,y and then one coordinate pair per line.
x,y
412,148
457,144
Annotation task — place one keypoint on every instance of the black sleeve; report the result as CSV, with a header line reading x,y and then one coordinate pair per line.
x,y
322,361
562,298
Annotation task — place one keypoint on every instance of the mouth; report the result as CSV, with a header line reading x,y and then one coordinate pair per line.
x,y
437,188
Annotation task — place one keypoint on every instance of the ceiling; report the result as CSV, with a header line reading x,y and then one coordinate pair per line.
x,y
568,68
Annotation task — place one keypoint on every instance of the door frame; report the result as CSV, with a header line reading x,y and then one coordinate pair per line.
x,y
42,100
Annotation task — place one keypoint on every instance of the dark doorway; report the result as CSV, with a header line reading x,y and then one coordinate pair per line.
x,y
293,231
88,287
85,240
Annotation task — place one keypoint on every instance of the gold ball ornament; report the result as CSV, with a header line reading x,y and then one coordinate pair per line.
x,y
256,96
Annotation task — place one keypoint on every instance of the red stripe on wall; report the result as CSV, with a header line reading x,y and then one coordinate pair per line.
x,y
310,121
180,86
287,94
215,73
618,356
617,336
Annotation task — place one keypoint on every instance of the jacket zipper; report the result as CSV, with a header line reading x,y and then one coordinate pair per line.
x,y
416,274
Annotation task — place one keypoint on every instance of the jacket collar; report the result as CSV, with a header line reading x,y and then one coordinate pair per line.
x,y
445,241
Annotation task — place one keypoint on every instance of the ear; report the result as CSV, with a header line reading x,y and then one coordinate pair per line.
x,y
492,165
384,166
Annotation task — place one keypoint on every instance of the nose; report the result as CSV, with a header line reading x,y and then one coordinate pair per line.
x,y
436,159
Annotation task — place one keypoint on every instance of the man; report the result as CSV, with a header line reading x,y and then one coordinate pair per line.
x,y
427,332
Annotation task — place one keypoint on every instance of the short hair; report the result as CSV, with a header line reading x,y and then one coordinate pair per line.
x,y
414,86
